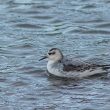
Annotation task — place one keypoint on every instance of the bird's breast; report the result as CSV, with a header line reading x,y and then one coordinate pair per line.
x,y
50,67
54,68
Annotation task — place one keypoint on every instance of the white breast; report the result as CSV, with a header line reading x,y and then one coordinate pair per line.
x,y
53,70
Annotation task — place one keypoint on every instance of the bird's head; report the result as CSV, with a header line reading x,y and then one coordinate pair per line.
x,y
54,54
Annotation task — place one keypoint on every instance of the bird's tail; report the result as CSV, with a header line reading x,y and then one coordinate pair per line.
x,y
105,67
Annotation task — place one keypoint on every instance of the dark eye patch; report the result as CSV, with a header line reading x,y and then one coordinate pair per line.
x,y
51,53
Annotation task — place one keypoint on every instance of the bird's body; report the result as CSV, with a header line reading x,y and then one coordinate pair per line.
x,y
61,66
73,71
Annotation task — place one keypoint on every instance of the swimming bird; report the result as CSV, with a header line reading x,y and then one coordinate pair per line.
x,y
61,66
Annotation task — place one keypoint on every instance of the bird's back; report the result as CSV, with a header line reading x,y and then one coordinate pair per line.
x,y
78,64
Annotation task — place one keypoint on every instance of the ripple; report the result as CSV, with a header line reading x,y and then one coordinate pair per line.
x,y
5,51
27,12
35,72
42,17
22,46
2,79
25,68
104,25
90,21
92,31
32,26
104,41
89,6
22,1
42,7
19,83
55,21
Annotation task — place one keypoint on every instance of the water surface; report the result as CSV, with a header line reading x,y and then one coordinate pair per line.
x,y
28,28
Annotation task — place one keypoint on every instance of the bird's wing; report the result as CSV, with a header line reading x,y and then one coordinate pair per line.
x,y
78,64
74,64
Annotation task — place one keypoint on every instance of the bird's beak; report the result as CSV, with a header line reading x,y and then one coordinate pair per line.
x,y
44,57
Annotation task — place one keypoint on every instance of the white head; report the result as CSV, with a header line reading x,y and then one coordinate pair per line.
x,y
54,54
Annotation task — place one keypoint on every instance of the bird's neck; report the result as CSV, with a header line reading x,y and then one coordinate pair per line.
x,y
53,66
52,63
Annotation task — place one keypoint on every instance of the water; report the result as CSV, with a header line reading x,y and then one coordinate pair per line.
x,y
28,28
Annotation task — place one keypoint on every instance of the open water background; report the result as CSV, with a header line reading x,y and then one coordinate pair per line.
x,y
28,28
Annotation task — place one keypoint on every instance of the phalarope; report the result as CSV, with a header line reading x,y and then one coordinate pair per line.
x,y
60,66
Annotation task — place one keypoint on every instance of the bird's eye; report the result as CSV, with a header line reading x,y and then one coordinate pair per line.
x,y
51,53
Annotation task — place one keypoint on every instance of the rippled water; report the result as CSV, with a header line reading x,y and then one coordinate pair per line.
x,y
28,28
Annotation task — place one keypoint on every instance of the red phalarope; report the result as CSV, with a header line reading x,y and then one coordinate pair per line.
x,y
60,66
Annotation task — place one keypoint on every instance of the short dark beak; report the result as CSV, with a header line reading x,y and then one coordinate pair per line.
x,y
44,57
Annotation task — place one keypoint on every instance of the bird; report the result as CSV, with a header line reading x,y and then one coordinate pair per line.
x,y
61,66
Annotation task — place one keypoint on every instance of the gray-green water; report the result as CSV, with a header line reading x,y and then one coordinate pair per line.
x,y
28,28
